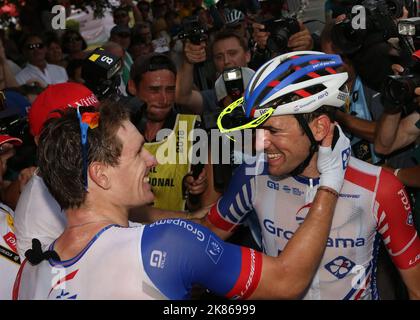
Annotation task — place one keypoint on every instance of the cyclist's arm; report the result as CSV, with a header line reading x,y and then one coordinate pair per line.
x,y
395,223
177,254
233,206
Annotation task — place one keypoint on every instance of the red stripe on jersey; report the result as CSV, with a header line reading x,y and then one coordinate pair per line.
x,y
313,61
66,278
303,93
359,294
16,285
361,179
250,275
274,83
216,219
397,228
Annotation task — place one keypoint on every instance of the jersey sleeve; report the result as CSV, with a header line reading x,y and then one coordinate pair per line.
x,y
232,208
395,221
177,254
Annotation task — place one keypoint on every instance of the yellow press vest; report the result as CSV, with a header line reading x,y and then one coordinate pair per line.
x,y
172,154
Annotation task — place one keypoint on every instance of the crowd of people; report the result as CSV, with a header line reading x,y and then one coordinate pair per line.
x,y
325,206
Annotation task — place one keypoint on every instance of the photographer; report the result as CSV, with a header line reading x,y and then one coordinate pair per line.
x,y
394,133
356,118
102,72
301,40
228,50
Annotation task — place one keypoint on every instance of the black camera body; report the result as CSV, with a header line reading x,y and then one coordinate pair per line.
x,y
280,32
18,126
192,30
399,89
15,126
100,70
380,25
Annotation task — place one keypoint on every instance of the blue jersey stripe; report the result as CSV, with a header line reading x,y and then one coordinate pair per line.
x,y
177,254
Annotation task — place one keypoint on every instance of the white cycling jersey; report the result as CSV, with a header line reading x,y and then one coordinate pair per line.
x,y
162,260
372,203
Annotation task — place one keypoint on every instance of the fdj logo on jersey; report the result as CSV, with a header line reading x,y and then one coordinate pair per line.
x,y
345,156
340,266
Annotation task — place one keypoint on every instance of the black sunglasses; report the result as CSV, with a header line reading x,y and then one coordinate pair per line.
x,y
33,46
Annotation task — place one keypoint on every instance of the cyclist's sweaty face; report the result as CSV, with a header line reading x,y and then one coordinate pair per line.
x,y
285,144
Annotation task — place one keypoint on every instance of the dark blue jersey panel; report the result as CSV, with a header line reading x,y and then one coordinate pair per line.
x,y
179,253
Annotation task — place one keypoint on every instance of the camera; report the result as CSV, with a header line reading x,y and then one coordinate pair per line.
x,y
100,70
15,126
18,126
192,30
410,28
280,32
399,89
233,82
379,25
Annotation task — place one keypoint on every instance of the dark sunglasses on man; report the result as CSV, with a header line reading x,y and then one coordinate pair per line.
x,y
33,46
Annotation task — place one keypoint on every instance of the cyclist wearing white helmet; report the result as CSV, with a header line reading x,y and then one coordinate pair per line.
x,y
235,20
233,17
293,98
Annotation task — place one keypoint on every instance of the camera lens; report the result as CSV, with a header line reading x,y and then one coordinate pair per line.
x,y
401,89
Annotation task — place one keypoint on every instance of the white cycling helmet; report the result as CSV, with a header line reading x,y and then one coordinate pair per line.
x,y
233,17
295,83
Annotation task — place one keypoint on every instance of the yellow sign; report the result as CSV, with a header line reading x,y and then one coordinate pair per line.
x,y
94,57
166,178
